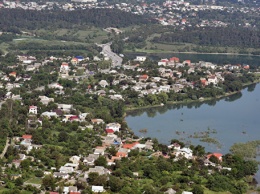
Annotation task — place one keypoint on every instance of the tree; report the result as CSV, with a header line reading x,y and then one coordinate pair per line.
x,y
101,161
115,183
197,189
48,182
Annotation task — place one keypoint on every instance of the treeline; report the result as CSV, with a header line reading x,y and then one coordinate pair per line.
x,y
231,37
32,20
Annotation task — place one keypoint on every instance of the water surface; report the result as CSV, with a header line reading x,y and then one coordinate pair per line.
x,y
235,119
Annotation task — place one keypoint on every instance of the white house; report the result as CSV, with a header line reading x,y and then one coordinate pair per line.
x,y
185,152
114,126
140,58
75,159
97,189
163,62
33,109
103,83
212,79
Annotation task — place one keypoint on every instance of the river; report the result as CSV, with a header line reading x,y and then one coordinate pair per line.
x,y
214,58
231,119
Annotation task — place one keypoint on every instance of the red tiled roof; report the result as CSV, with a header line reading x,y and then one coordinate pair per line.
x,y
109,131
218,155
54,193
27,136
129,146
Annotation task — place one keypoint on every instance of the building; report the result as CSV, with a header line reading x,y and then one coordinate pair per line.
x,y
33,110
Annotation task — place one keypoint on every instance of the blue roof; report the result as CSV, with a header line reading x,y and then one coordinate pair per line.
x,y
79,57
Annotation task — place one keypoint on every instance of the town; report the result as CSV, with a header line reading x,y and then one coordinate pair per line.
x,y
173,13
63,119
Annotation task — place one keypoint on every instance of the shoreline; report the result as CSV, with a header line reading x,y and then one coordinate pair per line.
x,y
191,52
189,101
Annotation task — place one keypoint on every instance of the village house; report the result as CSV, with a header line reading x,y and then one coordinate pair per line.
x,y
97,121
140,58
65,107
13,74
46,100
114,126
184,152
103,83
33,110
97,189
98,169
163,62
90,159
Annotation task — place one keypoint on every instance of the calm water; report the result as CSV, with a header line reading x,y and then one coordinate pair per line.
x,y
235,119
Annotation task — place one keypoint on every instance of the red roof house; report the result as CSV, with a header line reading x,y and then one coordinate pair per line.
x,y
143,77
27,136
217,155
109,131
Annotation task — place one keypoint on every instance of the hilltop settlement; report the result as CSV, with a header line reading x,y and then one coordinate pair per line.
x,y
63,129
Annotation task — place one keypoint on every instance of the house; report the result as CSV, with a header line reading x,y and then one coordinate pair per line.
x,y
13,74
217,155
122,153
114,126
64,68
30,68
46,100
143,77
97,189
60,175
49,114
170,191
103,83
184,152
74,118
246,67
90,159
109,131
80,58
163,62
27,137
66,169
174,59
130,145
98,169
213,79
140,58
33,109
97,121
75,159
74,61
55,86
65,107
99,151
186,192
187,62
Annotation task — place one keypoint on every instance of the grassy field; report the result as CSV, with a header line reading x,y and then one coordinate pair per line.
x,y
34,180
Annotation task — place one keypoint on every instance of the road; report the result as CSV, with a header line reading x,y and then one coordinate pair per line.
x,y
5,149
106,49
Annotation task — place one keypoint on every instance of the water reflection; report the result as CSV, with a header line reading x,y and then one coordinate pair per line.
x,y
251,88
233,97
152,112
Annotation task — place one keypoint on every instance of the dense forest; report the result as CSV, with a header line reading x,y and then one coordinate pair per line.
x,y
233,37
12,19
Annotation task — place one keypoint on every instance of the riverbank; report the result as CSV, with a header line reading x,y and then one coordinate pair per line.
x,y
129,109
191,52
